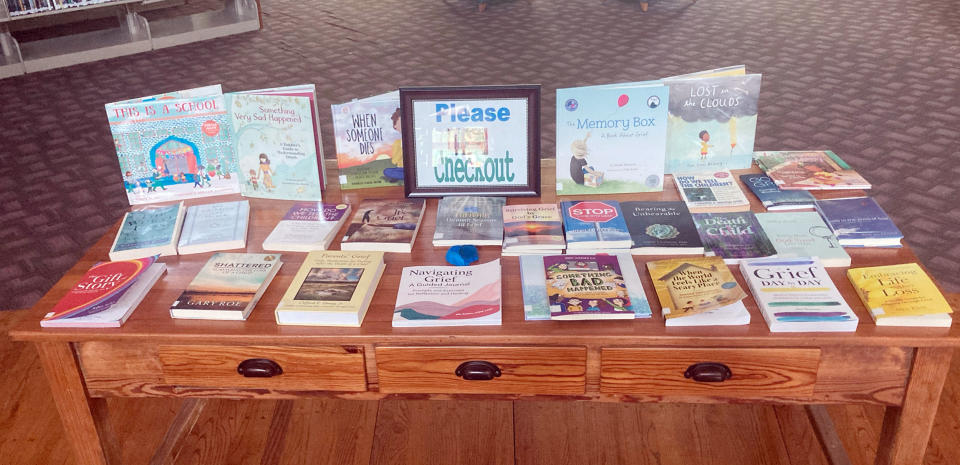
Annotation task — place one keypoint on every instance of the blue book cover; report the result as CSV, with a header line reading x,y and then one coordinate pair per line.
x,y
215,226
774,198
594,224
858,219
149,228
172,149
611,138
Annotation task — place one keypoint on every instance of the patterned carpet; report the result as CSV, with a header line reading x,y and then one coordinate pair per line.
x,y
877,83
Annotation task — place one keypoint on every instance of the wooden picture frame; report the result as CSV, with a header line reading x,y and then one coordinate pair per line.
x,y
474,140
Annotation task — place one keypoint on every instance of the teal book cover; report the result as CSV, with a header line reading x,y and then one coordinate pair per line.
x,y
171,149
712,123
275,146
611,138
803,234
152,227
367,135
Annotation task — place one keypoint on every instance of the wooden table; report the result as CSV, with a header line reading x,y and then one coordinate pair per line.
x,y
624,361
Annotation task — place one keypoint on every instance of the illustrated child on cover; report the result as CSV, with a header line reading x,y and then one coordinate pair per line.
x,y
619,305
267,172
573,305
704,146
593,305
252,179
396,153
578,162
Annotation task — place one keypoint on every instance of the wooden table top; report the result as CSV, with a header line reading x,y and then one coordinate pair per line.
x,y
151,321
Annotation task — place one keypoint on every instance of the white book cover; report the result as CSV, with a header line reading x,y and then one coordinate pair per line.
x,y
307,226
713,191
215,226
729,315
449,296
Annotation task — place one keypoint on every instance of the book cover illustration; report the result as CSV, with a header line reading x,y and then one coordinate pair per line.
x,y
150,227
733,236
367,135
449,295
470,220
174,149
275,146
897,290
809,170
537,225
99,288
595,223
859,222
228,281
712,122
661,225
803,234
390,221
333,281
611,139
586,287
711,191
693,285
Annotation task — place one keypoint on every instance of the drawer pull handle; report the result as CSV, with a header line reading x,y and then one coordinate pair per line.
x,y
259,368
475,370
708,372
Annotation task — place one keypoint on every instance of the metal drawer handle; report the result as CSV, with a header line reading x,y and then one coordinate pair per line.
x,y
477,370
708,372
259,368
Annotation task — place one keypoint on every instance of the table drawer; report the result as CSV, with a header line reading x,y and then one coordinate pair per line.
x,y
754,372
521,370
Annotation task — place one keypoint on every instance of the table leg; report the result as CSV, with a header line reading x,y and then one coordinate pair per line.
x,y
906,429
85,420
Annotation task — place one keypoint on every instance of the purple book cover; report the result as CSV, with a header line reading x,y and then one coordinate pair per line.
x,y
586,287
310,211
733,235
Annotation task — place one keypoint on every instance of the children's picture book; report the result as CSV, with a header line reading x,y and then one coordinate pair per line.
x,y
469,220
307,226
803,234
331,288
214,226
386,225
273,137
449,296
533,228
367,135
688,286
711,192
172,149
712,122
228,286
661,228
106,295
594,224
772,197
859,222
797,295
147,232
901,295
733,236
586,287
611,138
809,170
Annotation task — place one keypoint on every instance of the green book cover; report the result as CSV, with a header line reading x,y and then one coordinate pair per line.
x,y
803,234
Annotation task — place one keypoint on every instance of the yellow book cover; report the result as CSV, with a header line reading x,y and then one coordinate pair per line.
x,y
687,286
897,290
332,287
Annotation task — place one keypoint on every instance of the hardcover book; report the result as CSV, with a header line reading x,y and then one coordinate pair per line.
x,y
859,222
449,296
772,197
711,192
173,149
215,226
712,122
797,294
534,227
901,295
594,224
611,138
331,288
809,170
307,226
106,295
661,228
147,232
228,287
469,220
367,134
803,234
385,225
586,287
733,236
688,286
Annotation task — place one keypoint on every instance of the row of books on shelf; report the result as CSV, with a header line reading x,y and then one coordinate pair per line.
x,y
25,7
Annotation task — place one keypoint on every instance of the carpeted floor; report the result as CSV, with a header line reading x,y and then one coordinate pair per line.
x,y
878,83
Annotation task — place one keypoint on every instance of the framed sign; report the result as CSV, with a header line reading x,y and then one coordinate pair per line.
x,y
471,140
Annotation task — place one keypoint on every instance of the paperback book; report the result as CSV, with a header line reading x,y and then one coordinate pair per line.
x,y
534,228
797,295
367,135
228,287
449,296
106,295
147,232
901,295
214,226
385,225
594,225
803,234
469,220
688,286
772,197
307,226
611,138
809,170
733,236
661,228
860,222
331,288
586,287
711,192
734,314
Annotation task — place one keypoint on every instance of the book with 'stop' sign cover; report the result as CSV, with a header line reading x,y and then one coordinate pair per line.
x,y
594,224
